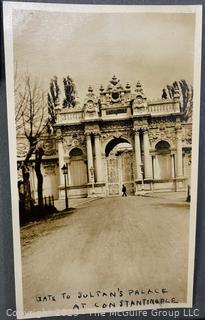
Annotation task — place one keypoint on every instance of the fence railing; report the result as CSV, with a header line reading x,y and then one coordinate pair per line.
x,y
48,201
166,107
67,117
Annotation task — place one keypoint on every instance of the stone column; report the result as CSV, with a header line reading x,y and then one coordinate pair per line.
x,y
179,155
89,157
147,156
69,173
154,167
138,159
61,161
173,166
98,159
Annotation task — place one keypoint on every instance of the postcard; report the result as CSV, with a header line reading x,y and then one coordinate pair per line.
x,y
103,114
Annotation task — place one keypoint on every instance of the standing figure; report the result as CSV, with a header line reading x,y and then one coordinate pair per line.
x,y
124,191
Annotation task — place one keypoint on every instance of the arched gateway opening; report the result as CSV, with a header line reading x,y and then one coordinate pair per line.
x,y
119,157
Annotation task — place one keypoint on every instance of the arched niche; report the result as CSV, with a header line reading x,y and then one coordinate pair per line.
x,y
78,169
163,162
163,147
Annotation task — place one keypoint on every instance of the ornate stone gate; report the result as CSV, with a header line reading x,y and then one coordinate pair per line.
x,y
87,136
155,130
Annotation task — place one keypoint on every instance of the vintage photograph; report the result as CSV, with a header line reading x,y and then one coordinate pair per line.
x,y
103,113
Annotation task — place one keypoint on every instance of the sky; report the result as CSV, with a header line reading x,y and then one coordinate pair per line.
x,y
154,48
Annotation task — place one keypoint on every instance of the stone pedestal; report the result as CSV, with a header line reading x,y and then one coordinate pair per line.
x,y
91,190
96,190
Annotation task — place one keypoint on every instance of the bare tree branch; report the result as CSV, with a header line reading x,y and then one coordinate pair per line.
x,y
31,111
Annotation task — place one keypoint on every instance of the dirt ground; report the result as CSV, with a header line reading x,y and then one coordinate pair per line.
x,y
124,245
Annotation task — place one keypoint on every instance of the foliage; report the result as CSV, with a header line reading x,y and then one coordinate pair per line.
x,y
186,96
70,92
53,101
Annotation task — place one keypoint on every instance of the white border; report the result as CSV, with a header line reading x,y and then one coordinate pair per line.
x,y
8,40
8,43
100,8
195,150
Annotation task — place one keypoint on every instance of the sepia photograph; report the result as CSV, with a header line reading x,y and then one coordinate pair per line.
x,y
103,107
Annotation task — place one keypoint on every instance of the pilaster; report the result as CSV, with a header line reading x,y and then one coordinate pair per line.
x,y
179,154
98,157
138,159
147,156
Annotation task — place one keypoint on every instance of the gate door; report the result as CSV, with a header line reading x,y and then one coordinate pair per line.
x,y
127,176
113,176
119,172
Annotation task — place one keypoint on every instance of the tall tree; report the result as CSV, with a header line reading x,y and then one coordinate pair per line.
x,y
38,159
53,102
32,122
70,92
186,96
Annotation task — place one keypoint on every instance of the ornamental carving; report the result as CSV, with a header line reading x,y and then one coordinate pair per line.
x,y
22,148
105,136
140,123
187,133
119,125
158,134
72,130
49,147
73,141
115,94
139,104
92,128
167,122
91,107
50,169
154,134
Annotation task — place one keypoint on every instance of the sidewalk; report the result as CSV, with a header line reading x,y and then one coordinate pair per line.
x,y
74,203
179,196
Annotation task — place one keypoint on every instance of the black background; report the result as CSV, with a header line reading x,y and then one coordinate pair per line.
x,y
7,289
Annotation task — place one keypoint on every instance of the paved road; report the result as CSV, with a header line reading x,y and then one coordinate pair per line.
x,y
126,243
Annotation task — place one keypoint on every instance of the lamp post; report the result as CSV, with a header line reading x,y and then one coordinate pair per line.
x,y
65,172
92,178
188,199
